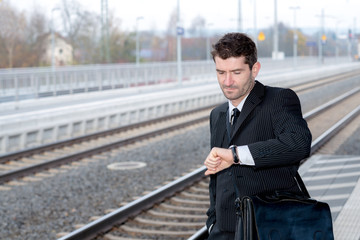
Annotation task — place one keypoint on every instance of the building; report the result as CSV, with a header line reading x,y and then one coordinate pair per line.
x,y
62,50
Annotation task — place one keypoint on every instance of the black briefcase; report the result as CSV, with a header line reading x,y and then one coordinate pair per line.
x,y
282,216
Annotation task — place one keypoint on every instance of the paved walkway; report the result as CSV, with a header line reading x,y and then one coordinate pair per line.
x,y
336,180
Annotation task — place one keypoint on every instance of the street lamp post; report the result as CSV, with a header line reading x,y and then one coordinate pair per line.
x,y
179,32
239,23
137,41
276,34
295,36
53,39
105,31
337,41
321,36
208,47
321,57
255,25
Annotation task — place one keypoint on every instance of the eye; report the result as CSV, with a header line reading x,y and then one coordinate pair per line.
x,y
237,72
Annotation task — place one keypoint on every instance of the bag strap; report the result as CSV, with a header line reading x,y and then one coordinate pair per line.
x,y
239,227
237,200
234,182
301,184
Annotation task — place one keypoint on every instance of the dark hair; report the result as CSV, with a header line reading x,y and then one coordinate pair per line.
x,y
236,45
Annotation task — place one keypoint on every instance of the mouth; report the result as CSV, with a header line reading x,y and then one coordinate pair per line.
x,y
229,89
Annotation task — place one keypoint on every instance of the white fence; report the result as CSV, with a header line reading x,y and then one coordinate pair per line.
x,y
32,83
20,84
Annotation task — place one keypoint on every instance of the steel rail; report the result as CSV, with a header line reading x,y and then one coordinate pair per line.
x,y
323,138
327,80
105,223
323,107
39,149
93,151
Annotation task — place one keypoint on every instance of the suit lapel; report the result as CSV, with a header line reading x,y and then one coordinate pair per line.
x,y
254,98
220,130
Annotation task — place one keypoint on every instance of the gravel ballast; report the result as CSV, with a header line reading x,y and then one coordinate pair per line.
x,y
41,209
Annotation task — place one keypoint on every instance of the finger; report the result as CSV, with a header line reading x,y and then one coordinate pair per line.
x,y
208,172
210,160
212,165
214,160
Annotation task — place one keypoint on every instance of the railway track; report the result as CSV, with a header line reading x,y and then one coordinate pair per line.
x,y
177,210
324,81
31,161
24,163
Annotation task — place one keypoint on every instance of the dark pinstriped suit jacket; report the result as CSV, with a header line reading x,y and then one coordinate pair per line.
x,y
271,124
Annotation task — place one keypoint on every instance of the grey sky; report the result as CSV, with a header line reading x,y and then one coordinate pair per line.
x,y
340,14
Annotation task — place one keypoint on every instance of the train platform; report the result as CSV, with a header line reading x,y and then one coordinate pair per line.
x,y
336,180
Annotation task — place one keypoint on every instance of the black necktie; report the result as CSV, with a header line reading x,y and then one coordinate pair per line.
x,y
234,116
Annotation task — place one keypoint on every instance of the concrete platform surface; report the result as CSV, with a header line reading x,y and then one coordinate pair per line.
x,y
336,180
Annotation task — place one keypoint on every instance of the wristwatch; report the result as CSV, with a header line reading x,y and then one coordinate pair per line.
x,y
236,158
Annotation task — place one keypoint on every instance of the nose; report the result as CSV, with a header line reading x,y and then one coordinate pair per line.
x,y
227,80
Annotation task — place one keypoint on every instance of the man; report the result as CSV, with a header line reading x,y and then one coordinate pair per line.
x,y
262,147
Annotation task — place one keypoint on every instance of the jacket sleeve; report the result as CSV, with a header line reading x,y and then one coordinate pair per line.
x,y
292,137
212,188
211,211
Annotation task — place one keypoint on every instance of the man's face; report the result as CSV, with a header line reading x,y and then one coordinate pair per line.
x,y
235,77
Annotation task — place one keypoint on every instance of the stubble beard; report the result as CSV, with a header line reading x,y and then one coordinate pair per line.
x,y
242,92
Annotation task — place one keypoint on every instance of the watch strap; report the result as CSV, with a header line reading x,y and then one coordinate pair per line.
x,y
234,151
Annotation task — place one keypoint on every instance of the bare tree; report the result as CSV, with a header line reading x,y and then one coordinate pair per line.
x,y
74,19
121,44
171,36
72,14
171,29
37,26
87,47
11,31
35,32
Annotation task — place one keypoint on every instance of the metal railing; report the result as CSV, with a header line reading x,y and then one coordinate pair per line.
x,y
31,83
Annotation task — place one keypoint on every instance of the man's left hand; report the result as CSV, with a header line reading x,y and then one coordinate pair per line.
x,y
218,160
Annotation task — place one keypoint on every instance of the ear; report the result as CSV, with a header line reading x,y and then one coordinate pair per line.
x,y
255,69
